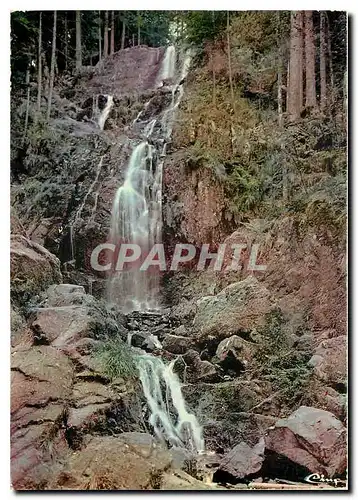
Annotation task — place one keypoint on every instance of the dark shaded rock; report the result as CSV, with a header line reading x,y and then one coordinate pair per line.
x,y
312,438
242,461
235,354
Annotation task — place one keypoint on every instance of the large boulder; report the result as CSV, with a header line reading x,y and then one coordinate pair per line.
x,y
131,461
241,306
312,438
41,386
59,326
33,268
67,315
330,361
243,460
176,344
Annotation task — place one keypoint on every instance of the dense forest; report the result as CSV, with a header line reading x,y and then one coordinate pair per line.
x,y
216,129
280,66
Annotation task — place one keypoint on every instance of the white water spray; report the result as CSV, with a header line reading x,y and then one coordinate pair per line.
x,y
182,429
101,116
137,207
168,66
137,218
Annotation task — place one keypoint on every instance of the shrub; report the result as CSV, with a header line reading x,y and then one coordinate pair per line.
x,y
279,362
116,359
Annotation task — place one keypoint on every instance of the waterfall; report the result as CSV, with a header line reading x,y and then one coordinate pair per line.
x,y
137,206
104,115
182,429
168,66
101,116
137,218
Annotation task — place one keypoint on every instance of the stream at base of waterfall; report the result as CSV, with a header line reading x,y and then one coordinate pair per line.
x,y
137,218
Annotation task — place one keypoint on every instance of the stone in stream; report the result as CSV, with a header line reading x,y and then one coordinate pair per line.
x,y
175,344
312,438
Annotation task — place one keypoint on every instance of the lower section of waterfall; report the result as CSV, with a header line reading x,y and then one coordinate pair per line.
x,y
168,414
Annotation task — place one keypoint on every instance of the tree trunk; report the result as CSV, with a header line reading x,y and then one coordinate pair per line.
x,y
279,93
214,76
138,27
66,41
212,46
78,40
39,69
123,34
52,72
295,87
310,55
27,100
322,63
330,61
112,33
229,60
99,36
46,75
105,41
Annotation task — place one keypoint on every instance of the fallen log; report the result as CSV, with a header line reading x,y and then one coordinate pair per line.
x,y
276,486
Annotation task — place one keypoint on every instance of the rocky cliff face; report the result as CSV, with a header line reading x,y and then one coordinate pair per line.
x,y
261,355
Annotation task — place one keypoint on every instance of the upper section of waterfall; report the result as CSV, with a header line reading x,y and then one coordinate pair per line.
x,y
137,206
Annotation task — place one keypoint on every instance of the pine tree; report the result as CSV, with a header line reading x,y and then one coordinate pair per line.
x,y
123,33
310,59
295,83
112,33
78,40
53,57
39,68
105,39
99,36
322,62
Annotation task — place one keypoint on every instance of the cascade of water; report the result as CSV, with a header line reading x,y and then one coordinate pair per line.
x,y
168,66
137,207
79,211
182,429
105,112
137,218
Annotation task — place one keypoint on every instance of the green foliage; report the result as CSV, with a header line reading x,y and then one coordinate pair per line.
x,y
116,359
282,364
203,26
